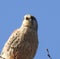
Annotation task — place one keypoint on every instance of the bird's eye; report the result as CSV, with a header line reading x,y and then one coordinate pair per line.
x,y
27,18
32,18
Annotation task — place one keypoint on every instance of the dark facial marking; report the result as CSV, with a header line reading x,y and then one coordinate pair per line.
x,y
34,19
27,18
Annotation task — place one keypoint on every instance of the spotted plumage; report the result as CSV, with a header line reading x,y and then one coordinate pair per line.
x,y
23,42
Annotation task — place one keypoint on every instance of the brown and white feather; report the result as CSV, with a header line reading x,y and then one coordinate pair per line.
x,y
22,44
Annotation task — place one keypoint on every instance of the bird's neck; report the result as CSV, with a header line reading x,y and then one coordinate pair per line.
x,y
28,28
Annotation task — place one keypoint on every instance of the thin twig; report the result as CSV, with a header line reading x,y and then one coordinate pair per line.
x,y
48,54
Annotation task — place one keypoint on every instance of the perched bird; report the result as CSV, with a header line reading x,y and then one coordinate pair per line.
x,y
23,42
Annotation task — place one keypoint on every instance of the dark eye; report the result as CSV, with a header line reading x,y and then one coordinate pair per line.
x,y
27,18
32,17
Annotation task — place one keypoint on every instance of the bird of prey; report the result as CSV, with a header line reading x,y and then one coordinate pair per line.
x,y
23,42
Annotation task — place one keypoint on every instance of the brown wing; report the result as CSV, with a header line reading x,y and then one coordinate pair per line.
x,y
25,47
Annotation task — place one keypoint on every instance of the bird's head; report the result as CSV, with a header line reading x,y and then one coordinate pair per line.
x,y
30,21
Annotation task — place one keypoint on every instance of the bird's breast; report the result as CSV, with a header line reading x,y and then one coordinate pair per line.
x,y
23,45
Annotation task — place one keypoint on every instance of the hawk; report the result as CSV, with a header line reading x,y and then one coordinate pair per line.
x,y
23,42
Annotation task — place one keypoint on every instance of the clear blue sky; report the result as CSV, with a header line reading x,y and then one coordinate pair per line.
x,y
47,13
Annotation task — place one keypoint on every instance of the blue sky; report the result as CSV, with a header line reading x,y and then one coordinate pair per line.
x,y
47,13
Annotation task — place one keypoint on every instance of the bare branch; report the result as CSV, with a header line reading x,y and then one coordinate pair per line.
x,y
48,54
